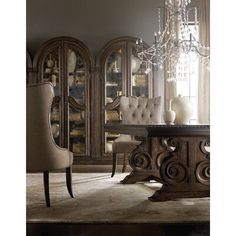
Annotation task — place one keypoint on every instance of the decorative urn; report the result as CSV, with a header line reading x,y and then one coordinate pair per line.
x,y
183,110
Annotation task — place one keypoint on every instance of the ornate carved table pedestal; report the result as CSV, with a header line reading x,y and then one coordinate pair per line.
x,y
175,155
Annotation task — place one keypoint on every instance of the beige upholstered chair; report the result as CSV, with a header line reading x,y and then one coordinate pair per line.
x,y
134,111
43,155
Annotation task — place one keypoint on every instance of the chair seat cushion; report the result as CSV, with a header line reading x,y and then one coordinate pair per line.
x,y
124,146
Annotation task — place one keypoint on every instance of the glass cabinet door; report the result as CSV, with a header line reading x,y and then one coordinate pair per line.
x,y
66,63
113,76
114,80
123,75
50,73
77,89
139,79
50,70
77,133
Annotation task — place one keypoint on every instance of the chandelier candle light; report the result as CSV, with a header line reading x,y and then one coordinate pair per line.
x,y
175,39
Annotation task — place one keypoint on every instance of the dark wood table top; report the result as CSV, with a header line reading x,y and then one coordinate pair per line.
x,y
159,130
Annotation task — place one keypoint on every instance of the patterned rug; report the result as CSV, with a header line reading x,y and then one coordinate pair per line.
x,y
102,199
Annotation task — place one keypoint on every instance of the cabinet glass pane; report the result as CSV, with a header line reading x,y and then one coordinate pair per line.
x,y
113,88
77,131
51,70
76,76
113,76
139,79
55,123
50,73
76,89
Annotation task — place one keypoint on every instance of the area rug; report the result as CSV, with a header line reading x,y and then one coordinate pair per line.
x,y
102,199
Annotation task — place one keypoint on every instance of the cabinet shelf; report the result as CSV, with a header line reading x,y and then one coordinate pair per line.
x,y
111,85
73,136
139,86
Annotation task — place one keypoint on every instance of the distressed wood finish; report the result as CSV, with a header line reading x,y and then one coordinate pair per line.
x,y
61,45
95,89
125,44
176,156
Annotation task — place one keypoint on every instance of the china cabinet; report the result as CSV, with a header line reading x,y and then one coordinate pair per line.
x,y
83,88
121,73
66,63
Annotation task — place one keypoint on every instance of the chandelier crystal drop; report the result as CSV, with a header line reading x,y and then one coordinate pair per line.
x,y
175,39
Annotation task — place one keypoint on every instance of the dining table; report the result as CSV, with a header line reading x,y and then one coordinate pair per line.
x,y
177,156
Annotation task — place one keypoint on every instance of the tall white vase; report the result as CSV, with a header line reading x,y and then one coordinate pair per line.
x,y
183,110
71,60
169,115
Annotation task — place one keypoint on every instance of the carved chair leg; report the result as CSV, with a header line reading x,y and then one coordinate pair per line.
x,y
46,187
124,162
69,180
114,164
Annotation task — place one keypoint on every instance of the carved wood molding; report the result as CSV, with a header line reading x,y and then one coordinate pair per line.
x,y
178,164
181,164
75,104
114,105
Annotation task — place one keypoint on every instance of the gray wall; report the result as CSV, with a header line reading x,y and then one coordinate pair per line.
x,y
94,22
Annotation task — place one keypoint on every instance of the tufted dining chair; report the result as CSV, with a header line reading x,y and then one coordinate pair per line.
x,y
42,153
134,110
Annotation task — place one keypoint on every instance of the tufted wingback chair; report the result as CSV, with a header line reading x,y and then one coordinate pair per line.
x,y
134,111
42,153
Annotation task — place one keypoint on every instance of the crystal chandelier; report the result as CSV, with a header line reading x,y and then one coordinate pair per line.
x,y
174,40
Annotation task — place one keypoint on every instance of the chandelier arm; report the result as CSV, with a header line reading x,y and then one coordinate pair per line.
x,y
172,41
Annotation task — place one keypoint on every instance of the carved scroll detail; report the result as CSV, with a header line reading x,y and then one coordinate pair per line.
x,y
140,159
114,105
203,172
205,147
170,145
173,172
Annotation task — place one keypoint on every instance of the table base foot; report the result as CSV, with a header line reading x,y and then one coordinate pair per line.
x,y
135,177
165,195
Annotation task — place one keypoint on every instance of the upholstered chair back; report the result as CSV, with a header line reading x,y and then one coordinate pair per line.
x,y
42,152
140,110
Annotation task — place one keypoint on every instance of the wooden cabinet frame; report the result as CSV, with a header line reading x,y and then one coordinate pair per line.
x,y
62,44
95,89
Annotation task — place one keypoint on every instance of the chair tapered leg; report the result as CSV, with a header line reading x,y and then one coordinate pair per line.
x,y
69,180
113,164
124,162
46,187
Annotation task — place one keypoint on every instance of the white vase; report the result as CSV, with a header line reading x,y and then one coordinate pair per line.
x,y
169,117
183,110
135,64
71,61
55,130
